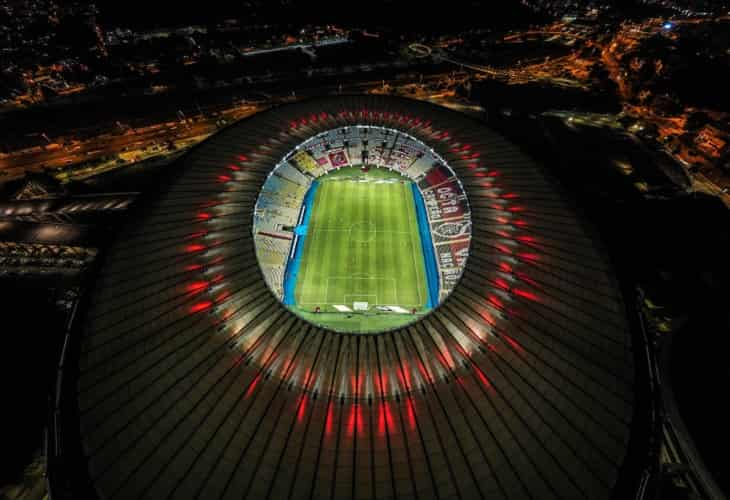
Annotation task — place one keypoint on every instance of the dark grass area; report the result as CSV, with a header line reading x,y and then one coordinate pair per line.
x,y
699,374
32,332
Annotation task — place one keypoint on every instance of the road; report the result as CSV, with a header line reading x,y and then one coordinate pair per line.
x,y
53,156
140,139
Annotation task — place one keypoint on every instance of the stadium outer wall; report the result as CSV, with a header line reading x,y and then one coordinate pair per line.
x,y
511,361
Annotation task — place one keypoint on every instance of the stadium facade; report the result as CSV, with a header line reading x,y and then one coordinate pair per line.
x,y
195,381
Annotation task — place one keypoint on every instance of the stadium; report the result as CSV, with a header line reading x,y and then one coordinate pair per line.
x,y
354,297
387,237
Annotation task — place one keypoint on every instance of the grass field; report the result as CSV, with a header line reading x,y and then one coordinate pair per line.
x,y
362,245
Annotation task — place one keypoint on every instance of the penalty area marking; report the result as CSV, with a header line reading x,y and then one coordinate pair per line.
x,y
363,278
360,298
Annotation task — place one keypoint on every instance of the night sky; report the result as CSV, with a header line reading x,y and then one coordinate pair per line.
x,y
404,14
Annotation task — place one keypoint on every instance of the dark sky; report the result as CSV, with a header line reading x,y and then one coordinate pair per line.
x,y
408,14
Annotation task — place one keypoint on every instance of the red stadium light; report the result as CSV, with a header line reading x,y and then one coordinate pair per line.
x,y
354,422
201,306
483,378
503,266
523,277
407,378
410,411
503,249
328,420
424,372
512,342
381,419
197,286
302,408
496,301
385,419
252,386
381,383
446,359
487,317
525,294
501,283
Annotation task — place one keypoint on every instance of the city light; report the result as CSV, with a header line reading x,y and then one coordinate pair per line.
x,y
256,249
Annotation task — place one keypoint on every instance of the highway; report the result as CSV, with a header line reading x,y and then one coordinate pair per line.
x,y
54,155
142,140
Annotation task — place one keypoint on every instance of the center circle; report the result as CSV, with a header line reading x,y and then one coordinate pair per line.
x,y
363,232
362,229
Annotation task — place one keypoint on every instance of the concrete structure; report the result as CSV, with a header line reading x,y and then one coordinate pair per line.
x,y
194,381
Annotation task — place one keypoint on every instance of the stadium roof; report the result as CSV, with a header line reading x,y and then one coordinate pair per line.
x,y
194,380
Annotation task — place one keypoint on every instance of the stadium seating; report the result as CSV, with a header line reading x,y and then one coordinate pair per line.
x,y
280,201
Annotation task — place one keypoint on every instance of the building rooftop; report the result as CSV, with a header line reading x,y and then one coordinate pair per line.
x,y
194,380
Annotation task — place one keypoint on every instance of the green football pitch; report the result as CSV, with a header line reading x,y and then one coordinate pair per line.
x,y
362,245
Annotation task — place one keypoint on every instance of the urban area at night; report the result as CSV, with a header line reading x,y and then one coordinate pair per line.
x,y
277,249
